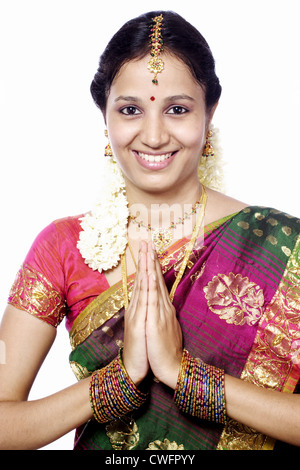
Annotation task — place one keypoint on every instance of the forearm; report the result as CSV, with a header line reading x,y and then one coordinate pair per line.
x,y
206,392
34,424
273,413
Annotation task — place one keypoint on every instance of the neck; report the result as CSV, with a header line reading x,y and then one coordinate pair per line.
x,y
176,196
164,217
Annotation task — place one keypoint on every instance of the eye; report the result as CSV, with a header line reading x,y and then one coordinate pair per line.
x,y
177,110
130,111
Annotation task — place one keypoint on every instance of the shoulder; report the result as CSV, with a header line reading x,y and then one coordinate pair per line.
x,y
70,223
53,241
220,205
64,228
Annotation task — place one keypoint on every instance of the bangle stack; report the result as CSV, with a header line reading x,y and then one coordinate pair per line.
x,y
112,392
200,390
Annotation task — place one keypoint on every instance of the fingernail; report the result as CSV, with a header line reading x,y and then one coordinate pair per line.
x,y
152,255
154,276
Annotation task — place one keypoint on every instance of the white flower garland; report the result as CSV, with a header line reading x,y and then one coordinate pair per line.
x,y
104,236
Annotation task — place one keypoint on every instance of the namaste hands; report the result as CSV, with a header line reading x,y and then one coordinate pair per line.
x,y
152,334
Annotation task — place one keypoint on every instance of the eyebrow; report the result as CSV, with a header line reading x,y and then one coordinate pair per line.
x,y
127,98
134,99
180,97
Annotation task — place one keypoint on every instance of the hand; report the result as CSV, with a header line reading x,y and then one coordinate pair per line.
x,y
163,331
135,356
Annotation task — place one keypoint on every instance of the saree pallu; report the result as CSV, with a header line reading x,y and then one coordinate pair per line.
x,y
238,305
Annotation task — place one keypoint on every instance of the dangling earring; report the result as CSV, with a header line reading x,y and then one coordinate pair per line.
x,y
108,150
208,150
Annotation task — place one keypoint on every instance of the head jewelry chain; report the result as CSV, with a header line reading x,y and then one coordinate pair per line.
x,y
156,64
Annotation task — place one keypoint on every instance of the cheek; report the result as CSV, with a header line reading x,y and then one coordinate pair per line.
x,y
193,139
121,135
191,132
119,139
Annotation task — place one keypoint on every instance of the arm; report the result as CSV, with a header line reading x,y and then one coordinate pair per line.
x,y
270,412
33,424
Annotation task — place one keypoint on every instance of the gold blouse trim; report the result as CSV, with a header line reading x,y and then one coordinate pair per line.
x,y
33,293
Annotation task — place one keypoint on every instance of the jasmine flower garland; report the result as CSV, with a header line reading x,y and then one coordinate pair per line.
x,y
104,236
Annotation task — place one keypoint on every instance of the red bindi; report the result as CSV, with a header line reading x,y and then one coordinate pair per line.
x,y
152,98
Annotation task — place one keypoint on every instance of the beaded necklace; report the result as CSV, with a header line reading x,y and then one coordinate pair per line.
x,y
162,237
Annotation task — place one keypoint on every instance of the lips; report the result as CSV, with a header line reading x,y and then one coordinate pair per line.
x,y
155,162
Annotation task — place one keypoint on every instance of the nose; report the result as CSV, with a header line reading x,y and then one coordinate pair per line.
x,y
154,132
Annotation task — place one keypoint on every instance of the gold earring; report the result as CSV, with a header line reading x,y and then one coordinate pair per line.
x,y
108,150
208,150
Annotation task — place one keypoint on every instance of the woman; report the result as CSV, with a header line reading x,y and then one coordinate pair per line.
x,y
185,332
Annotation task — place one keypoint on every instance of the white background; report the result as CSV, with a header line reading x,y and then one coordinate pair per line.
x,y
51,133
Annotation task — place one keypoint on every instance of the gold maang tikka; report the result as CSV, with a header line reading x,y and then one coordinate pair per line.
x,y
156,64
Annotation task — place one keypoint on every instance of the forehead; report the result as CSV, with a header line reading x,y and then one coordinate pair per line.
x,y
176,78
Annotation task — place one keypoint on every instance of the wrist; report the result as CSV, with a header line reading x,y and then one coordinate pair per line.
x,y
112,392
200,389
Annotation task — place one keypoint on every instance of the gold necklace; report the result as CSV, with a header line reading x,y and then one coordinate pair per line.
x,y
162,237
187,255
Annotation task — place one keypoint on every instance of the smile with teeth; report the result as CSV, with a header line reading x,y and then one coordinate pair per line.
x,y
155,158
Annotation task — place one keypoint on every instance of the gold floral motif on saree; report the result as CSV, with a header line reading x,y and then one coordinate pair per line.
x,y
79,371
236,436
235,299
164,445
123,433
274,361
33,293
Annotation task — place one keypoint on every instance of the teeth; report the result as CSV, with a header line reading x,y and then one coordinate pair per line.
x,y
154,158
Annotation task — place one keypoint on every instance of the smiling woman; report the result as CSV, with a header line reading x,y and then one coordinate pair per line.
x,y
182,304
157,144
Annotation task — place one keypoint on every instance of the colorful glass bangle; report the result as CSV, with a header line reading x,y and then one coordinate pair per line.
x,y
200,390
112,392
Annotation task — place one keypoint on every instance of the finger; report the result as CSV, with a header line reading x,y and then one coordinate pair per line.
x,y
142,298
154,283
162,288
150,259
140,272
154,304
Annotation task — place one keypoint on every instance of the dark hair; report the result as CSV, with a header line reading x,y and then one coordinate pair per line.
x,y
180,38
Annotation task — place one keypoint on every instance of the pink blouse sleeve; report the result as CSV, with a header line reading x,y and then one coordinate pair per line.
x,y
39,285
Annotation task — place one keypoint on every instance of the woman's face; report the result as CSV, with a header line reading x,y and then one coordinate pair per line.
x,y
157,132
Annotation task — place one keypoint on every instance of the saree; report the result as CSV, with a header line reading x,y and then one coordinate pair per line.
x,y
238,305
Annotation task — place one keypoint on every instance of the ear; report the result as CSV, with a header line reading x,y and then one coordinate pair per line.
x,y
210,115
